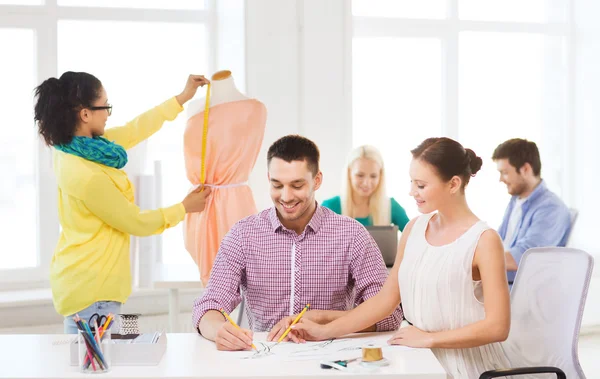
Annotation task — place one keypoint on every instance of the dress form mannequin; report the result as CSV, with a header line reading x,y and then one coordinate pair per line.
x,y
223,90
235,131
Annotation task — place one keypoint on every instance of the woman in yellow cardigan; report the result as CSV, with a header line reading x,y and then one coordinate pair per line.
x,y
90,270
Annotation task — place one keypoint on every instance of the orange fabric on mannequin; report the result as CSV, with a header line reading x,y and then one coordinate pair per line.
x,y
235,135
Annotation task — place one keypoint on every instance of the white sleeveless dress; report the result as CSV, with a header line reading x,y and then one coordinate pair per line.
x,y
438,293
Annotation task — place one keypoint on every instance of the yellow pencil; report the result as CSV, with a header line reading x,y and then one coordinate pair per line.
x,y
232,322
293,323
106,324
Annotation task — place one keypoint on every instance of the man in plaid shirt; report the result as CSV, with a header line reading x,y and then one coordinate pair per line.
x,y
293,254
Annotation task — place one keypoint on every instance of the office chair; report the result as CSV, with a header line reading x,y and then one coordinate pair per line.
x,y
547,302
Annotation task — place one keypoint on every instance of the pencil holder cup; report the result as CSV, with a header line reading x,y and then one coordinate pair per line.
x,y
94,356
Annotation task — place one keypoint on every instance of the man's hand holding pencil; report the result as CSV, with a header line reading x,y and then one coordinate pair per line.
x,y
230,337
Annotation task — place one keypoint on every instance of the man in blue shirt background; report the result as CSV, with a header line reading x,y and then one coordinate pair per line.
x,y
535,217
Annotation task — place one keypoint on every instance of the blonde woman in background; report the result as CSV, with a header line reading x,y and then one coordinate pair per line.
x,y
363,194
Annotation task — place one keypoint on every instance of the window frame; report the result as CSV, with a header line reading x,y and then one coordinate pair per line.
x,y
43,20
448,31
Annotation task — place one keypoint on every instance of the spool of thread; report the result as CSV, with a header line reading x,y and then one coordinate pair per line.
x,y
371,353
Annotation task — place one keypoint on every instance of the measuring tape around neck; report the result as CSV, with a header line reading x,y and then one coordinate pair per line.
x,y
204,135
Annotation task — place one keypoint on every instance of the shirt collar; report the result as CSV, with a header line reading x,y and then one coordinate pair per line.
x,y
275,223
317,219
314,224
537,192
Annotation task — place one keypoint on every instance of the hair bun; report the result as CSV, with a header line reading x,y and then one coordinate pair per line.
x,y
474,161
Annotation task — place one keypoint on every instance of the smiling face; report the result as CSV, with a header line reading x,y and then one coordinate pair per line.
x,y
293,189
427,187
365,175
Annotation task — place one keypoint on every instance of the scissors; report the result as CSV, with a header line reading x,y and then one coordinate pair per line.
x,y
99,319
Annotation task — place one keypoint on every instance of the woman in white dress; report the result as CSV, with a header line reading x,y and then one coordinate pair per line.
x,y
446,262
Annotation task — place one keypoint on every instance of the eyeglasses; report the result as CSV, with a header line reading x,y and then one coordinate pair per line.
x,y
107,107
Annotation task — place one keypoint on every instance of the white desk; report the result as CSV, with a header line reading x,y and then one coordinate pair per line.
x,y
189,356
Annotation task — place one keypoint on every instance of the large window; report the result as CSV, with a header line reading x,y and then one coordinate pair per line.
x,y
432,9
137,47
18,145
142,51
477,71
136,4
397,98
507,89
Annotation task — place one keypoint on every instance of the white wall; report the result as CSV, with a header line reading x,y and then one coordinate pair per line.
x,y
296,65
585,176
585,169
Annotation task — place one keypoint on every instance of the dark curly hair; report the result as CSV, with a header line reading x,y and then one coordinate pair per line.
x,y
59,102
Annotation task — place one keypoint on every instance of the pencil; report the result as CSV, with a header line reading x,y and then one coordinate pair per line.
x,y
88,358
90,351
232,322
97,331
293,323
105,325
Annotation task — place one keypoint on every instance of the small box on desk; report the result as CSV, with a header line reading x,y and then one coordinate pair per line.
x,y
129,350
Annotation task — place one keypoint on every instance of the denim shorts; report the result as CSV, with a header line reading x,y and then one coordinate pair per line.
x,y
103,308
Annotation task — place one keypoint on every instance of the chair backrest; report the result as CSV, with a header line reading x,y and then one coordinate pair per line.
x,y
242,318
573,216
547,302
573,213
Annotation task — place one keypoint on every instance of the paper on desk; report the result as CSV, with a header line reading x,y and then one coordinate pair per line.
x,y
344,348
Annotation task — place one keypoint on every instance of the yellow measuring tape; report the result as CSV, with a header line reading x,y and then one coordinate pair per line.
x,y
204,135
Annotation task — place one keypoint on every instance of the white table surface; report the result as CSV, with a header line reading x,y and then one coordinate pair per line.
x,y
191,356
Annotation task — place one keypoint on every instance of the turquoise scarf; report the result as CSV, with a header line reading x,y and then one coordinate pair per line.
x,y
97,149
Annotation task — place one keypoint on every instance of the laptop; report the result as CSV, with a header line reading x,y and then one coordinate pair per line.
x,y
386,237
